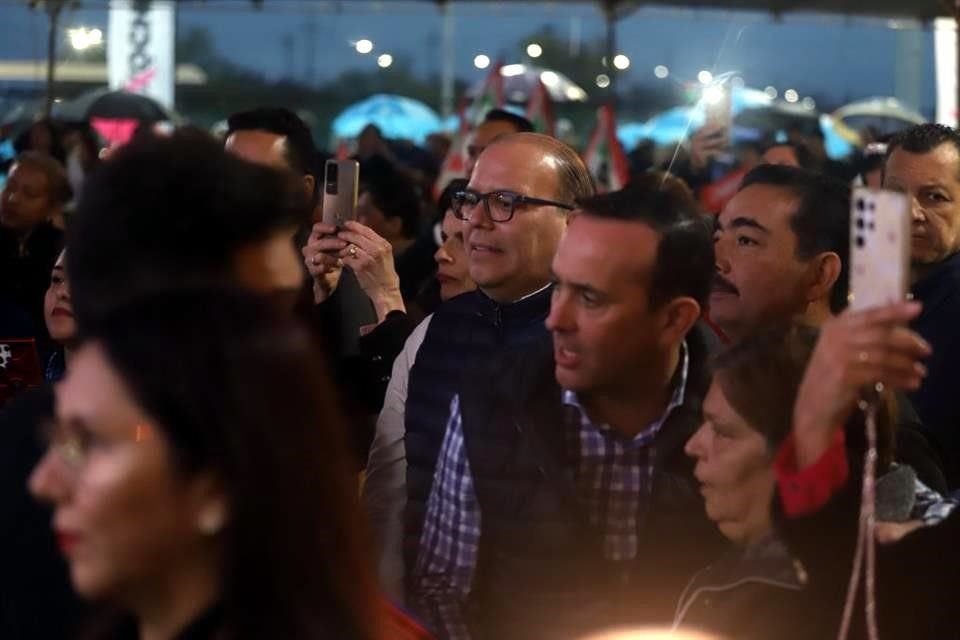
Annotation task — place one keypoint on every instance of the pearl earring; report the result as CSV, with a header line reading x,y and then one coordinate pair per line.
x,y
211,520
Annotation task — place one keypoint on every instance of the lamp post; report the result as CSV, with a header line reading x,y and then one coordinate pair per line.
x,y
53,8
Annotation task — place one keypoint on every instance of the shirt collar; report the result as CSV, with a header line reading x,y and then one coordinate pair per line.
x,y
569,398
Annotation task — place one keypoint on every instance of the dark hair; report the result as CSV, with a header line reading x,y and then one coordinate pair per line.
x,y
392,192
573,177
164,212
761,375
520,123
59,190
805,157
24,143
821,222
300,149
685,260
445,201
924,138
235,389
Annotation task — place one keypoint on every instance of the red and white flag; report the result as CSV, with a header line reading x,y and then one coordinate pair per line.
x,y
540,109
605,157
490,97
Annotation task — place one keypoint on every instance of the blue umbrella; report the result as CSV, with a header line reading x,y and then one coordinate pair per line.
x,y
674,125
396,116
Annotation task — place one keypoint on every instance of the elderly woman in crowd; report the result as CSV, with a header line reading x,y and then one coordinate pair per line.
x,y
760,589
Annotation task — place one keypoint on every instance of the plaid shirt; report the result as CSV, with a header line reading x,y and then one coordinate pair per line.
x,y
614,476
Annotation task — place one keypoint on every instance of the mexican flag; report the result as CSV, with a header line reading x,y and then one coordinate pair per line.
x,y
540,109
454,165
490,96
605,157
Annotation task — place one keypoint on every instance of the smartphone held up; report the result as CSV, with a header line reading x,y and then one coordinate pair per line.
x,y
879,248
340,183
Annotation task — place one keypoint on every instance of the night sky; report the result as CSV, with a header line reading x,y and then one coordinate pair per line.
x,y
833,57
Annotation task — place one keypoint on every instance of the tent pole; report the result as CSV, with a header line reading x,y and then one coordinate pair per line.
x,y
54,8
610,18
956,17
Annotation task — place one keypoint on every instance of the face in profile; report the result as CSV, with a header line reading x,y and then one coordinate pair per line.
x,y
57,307
125,516
453,272
604,331
735,471
932,182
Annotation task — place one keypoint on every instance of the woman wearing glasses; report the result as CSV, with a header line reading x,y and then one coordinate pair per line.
x,y
198,478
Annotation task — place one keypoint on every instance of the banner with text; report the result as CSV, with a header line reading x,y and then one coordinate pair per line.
x,y
140,48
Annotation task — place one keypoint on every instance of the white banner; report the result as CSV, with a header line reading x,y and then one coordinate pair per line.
x,y
140,48
945,59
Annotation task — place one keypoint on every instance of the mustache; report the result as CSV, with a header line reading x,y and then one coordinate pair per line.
x,y
722,284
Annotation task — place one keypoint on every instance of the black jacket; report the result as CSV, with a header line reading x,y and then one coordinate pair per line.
x,y
541,570
751,594
917,586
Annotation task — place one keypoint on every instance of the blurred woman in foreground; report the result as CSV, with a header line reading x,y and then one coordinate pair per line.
x,y
198,477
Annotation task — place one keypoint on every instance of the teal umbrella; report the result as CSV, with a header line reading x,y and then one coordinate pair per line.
x,y
397,117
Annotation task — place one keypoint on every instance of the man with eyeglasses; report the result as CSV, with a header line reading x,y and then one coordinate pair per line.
x,y
514,211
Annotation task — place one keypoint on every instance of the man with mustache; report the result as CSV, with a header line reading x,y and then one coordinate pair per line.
x,y
782,245
562,501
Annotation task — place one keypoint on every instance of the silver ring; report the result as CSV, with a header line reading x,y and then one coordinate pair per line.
x,y
353,251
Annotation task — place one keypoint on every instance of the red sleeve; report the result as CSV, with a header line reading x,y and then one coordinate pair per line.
x,y
806,491
400,626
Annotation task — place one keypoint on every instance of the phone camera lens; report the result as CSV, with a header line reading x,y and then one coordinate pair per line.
x,y
860,205
860,242
859,223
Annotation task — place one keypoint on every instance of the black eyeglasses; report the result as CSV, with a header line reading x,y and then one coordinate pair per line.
x,y
499,205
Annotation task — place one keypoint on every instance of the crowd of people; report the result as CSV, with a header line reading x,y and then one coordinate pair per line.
x,y
526,409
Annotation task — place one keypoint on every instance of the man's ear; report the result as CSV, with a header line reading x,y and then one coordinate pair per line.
x,y
824,274
678,318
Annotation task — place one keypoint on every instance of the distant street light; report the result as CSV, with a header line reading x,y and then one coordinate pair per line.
x,y
621,62
385,60
661,72
534,50
364,46
771,92
809,103
790,95
82,38
603,81
481,61
705,77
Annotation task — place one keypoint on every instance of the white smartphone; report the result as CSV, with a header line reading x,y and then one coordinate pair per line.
x,y
340,182
879,248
